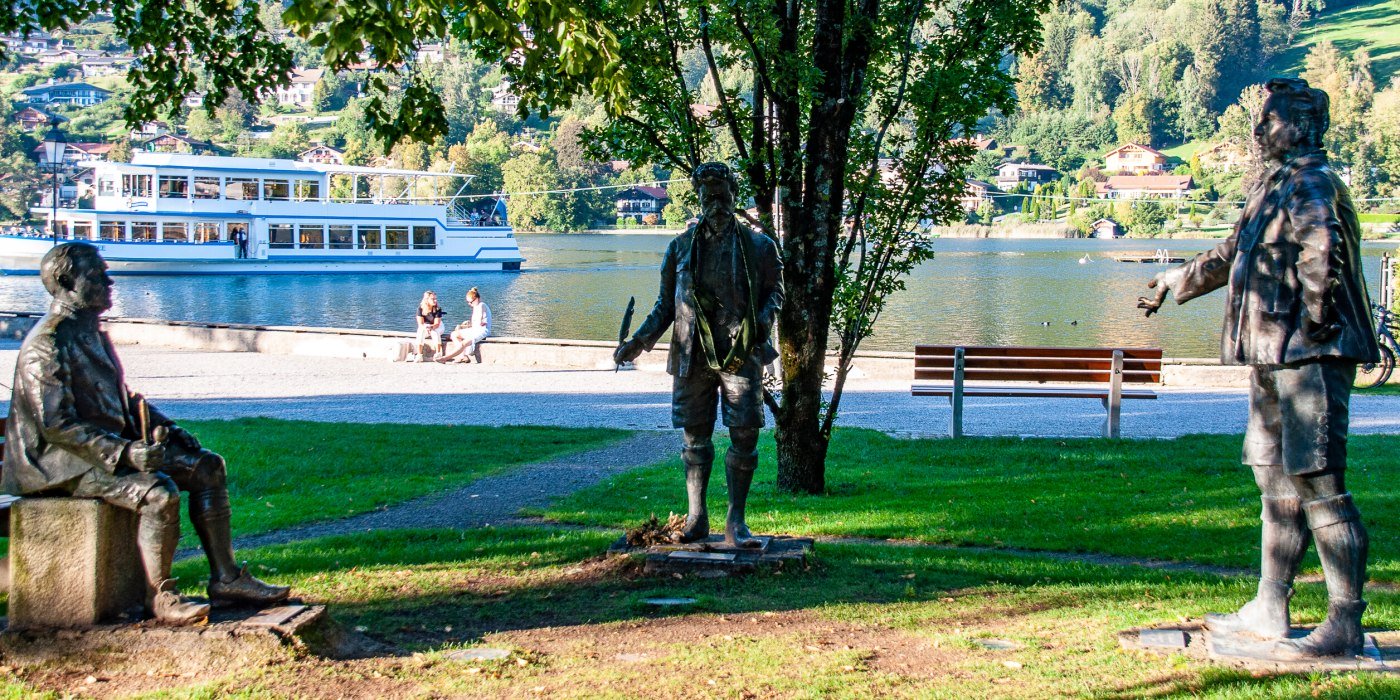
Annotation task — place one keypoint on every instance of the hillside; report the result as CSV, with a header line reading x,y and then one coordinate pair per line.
x,y
1370,24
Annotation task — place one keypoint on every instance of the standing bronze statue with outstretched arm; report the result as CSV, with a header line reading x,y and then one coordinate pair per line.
x,y
1298,314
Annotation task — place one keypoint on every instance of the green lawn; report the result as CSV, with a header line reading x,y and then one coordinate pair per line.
x,y
863,621
1187,499
284,473
1369,25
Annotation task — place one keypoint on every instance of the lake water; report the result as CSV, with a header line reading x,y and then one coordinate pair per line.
x,y
985,292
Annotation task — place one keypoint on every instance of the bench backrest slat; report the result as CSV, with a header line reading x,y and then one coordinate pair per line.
x,y
1031,364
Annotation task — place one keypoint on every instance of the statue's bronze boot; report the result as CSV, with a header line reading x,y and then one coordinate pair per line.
x,y
738,469
1284,539
246,588
1342,544
699,460
170,608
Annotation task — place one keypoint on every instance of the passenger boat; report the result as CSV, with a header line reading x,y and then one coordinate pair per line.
x,y
167,213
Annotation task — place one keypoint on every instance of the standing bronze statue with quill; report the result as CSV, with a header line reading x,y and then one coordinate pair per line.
x,y
721,289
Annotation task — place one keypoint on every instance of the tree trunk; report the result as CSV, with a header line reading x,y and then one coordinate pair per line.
x,y
809,253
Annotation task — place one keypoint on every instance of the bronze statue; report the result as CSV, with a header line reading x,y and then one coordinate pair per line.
x,y
75,430
1298,313
721,289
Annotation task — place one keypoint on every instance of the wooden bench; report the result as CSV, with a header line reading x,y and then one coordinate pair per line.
x,y
962,371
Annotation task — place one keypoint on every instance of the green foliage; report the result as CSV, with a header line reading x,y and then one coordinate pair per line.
x,y
1146,218
548,211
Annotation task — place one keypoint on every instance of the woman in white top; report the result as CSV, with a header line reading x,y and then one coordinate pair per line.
x,y
468,334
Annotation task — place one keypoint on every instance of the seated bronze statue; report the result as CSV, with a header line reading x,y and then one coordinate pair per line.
x,y
75,430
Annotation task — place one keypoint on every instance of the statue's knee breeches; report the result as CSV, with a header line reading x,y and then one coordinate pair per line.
x,y
196,471
161,502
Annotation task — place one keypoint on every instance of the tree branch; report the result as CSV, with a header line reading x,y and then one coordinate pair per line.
x,y
724,105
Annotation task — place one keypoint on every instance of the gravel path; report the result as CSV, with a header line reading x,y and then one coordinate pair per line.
x,y
493,500
230,385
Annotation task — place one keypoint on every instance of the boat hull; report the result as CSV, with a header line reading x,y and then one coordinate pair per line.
x,y
21,256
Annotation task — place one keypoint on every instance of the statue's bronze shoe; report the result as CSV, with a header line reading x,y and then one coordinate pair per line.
x,y
695,530
738,535
1265,617
1339,635
246,588
171,608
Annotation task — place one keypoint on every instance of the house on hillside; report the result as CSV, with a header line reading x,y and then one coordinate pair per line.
x,y
57,57
76,152
503,100
976,193
980,142
1154,186
1031,174
99,66
175,143
639,200
73,94
1222,157
323,154
1105,228
149,130
1133,158
31,45
302,89
430,53
35,119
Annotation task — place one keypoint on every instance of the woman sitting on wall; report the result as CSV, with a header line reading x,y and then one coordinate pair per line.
x,y
429,318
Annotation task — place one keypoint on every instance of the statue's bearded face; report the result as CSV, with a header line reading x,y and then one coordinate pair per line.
x,y
716,199
92,288
1277,133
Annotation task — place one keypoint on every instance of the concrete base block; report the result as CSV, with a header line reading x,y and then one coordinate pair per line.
x,y
73,563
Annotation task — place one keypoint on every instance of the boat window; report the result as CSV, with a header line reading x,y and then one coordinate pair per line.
x,y
82,230
112,230
60,229
136,185
206,188
341,237
143,230
396,237
176,232
308,190
424,237
241,188
206,231
369,237
276,190
312,237
107,187
174,187
279,235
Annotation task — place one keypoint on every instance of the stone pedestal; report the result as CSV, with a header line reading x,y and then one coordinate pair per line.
x,y
1242,651
73,563
713,558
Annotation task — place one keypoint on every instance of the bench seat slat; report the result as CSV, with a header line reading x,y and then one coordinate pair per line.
x,y
1063,392
975,351
1036,362
1058,375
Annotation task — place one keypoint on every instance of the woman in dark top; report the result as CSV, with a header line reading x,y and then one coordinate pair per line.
x,y
429,318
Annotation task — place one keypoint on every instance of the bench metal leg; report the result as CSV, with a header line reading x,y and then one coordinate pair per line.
x,y
1114,403
956,430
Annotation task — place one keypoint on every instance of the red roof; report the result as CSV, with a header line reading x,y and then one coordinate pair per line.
x,y
1126,146
92,149
655,192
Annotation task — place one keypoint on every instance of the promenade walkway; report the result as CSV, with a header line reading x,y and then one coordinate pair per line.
x,y
229,385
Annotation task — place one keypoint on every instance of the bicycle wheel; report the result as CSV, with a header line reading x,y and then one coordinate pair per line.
x,y
1373,374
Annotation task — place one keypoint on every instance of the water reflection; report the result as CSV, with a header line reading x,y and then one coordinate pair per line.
x,y
1024,292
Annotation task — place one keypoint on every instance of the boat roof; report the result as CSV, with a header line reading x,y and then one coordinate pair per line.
x,y
263,165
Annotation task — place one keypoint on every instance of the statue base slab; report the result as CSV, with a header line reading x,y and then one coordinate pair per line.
x,y
233,639
1381,652
712,558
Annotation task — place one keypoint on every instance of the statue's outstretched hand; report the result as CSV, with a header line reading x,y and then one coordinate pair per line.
x,y
1154,303
629,350
143,456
